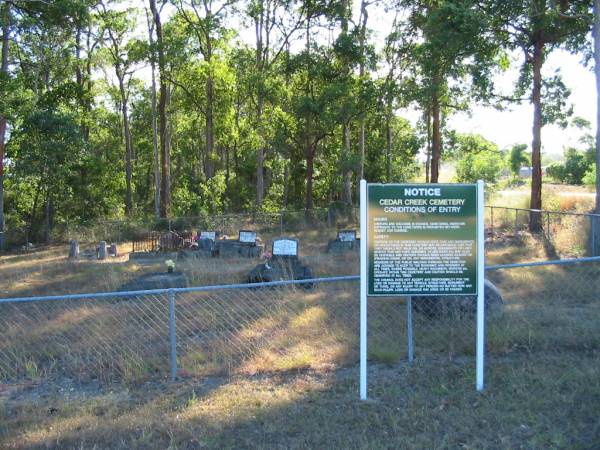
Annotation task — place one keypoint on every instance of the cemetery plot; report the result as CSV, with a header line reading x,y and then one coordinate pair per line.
x,y
246,246
345,241
283,264
203,245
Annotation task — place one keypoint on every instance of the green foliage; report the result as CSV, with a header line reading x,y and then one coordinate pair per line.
x,y
518,158
303,104
477,159
574,168
589,179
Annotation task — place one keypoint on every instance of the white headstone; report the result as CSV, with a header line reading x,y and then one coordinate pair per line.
x,y
285,247
248,236
208,235
347,235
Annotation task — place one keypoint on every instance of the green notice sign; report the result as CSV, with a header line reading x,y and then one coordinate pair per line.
x,y
422,239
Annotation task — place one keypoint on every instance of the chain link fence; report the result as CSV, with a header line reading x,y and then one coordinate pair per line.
x,y
548,308
566,234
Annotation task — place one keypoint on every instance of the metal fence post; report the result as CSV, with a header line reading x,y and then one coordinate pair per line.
x,y
409,328
172,334
492,221
593,225
516,222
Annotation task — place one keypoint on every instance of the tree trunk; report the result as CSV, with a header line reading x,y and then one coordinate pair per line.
x,y
260,156
347,192
310,169
596,33
388,156
128,149
168,136
428,148
165,181
38,191
436,141
259,26
363,37
154,124
535,219
3,119
210,136
48,219
87,83
286,187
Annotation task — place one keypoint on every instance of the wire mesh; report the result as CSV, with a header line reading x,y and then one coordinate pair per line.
x,y
246,330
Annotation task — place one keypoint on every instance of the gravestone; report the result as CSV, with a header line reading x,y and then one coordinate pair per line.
x,y
102,250
285,247
204,247
113,250
74,249
246,246
345,241
283,264
210,235
158,280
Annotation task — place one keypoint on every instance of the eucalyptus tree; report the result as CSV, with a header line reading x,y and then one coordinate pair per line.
x,y
536,28
151,24
596,53
206,22
454,53
164,189
275,22
124,54
37,66
6,28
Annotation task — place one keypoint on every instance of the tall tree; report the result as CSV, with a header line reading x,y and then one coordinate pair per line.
x,y
205,20
454,55
151,26
6,23
275,21
165,154
116,25
537,27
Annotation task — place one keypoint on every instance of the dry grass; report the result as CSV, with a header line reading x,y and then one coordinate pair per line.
x,y
432,404
276,368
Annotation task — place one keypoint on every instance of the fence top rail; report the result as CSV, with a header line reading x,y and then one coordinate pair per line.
x,y
99,295
558,262
543,211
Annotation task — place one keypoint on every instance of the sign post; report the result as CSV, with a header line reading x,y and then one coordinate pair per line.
x,y
422,240
480,346
363,289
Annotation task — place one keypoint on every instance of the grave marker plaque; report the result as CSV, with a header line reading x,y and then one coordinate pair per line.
x,y
285,247
347,235
248,237
212,235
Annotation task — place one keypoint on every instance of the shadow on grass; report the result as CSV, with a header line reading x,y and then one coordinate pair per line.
x,y
546,402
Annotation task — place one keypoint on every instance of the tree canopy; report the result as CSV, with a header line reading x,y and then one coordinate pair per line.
x,y
112,109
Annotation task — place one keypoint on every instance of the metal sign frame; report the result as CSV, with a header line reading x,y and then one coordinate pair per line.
x,y
364,275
